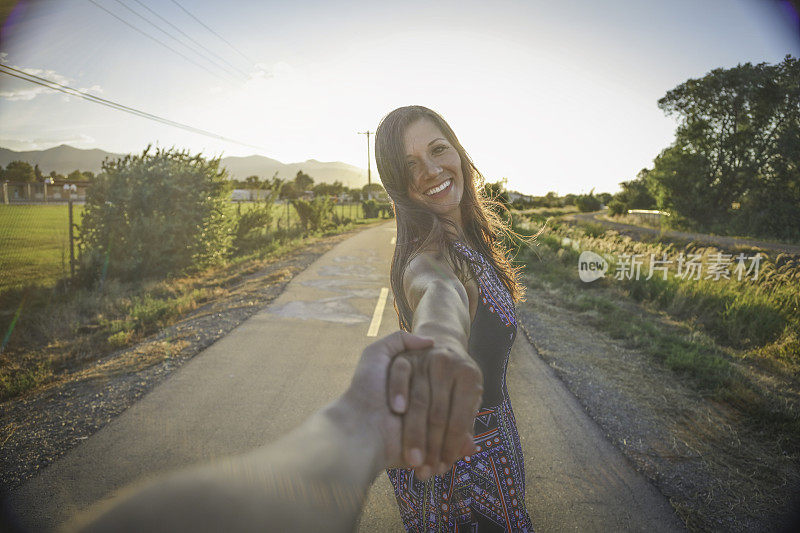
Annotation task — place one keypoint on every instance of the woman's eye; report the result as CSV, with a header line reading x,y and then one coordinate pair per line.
x,y
439,149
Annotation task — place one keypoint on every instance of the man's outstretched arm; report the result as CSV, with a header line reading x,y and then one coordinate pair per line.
x,y
313,479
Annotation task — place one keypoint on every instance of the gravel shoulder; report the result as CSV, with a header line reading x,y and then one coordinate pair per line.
x,y
41,426
717,474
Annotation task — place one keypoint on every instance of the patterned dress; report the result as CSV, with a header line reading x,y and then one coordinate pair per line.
x,y
484,492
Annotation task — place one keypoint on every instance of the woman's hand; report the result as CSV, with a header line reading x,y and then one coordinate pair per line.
x,y
439,393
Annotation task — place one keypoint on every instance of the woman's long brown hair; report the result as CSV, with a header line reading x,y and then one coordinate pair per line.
x,y
418,228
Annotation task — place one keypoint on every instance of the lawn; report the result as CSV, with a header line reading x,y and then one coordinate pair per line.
x,y
34,244
34,239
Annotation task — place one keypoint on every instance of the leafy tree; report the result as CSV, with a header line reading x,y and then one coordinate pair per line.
x,y
497,191
155,214
635,194
75,175
551,200
38,173
314,215
303,182
252,228
289,191
587,202
19,171
329,189
252,182
374,188
733,164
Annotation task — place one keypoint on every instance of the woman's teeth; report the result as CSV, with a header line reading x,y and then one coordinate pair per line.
x,y
441,187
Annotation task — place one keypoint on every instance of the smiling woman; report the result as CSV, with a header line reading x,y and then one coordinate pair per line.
x,y
453,282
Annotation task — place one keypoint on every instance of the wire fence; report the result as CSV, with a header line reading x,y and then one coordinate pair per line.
x,y
37,192
35,244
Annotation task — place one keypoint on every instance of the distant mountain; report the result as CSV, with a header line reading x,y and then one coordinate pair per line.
x,y
64,159
322,172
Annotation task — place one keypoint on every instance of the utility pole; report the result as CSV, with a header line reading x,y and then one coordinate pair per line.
x,y
369,170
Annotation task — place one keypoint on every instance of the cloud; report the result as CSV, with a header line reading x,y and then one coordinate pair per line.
x,y
31,91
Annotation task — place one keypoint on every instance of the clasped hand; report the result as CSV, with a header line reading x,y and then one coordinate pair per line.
x,y
431,396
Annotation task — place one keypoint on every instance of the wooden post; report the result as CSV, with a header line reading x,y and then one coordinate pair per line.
x,y
71,240
5,192
44,191
29,192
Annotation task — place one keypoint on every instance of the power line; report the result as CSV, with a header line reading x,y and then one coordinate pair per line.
x,y
162,43
165,32
212,31
193,40
114,105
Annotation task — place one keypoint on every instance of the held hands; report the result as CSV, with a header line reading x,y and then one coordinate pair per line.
x,y
439,392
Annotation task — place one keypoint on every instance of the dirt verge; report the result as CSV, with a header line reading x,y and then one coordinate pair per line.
x,y
717,474
39,427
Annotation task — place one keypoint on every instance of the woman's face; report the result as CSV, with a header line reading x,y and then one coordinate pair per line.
x,y
437,181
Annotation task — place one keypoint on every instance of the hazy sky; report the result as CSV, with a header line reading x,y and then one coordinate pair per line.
x,y
551,95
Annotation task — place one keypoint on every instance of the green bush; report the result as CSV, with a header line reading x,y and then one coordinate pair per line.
x,y
587,202
154,214
375,209
316,214
251,229
617,207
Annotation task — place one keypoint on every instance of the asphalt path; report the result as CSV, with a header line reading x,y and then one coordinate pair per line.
x,y
296,355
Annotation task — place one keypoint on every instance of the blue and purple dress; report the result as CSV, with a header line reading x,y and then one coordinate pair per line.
x,y
484,492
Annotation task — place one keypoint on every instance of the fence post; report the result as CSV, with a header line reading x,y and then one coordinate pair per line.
x,y
44,191
5,192
71,241
30,198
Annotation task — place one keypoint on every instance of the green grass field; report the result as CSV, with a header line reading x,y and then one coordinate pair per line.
x,y
34,244
34,239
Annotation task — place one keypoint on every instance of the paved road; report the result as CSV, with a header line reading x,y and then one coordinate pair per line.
x,y
296,355
726,242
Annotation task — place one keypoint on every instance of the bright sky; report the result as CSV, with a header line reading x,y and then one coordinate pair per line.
x,y
554,96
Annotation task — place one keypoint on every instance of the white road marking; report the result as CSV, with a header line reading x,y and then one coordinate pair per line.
x,y
378,314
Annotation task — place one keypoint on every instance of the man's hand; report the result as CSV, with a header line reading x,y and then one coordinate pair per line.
x,y
440,393
364,402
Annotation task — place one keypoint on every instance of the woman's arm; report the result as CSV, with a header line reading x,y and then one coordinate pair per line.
x,y
441,410
439,302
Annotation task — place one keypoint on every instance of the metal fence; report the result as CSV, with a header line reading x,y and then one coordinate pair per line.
x,y
34,193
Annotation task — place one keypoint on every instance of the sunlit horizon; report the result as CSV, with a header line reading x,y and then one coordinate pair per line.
x,y
550,97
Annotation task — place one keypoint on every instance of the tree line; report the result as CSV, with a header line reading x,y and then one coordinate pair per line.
x,y
734,166
303,185
24,172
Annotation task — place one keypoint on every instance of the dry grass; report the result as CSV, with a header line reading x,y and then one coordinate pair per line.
x,y
62,331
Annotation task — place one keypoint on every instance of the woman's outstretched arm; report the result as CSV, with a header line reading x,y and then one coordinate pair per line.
x,y
441,410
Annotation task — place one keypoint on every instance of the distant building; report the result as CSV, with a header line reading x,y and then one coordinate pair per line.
x,y
513,196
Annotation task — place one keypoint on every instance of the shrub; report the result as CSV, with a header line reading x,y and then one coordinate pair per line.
x,y
316,214
587,202
154,214
375,209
